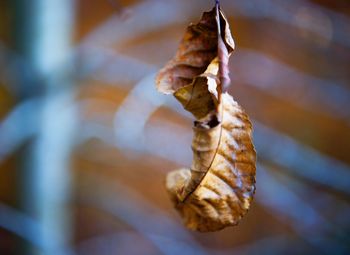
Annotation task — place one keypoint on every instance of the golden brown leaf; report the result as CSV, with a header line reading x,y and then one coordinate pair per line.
x,y
217,190
198,48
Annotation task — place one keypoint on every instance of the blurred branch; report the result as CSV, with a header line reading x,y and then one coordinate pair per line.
x,y
43,39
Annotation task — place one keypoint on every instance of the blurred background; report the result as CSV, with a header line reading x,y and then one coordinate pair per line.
x,y
86,140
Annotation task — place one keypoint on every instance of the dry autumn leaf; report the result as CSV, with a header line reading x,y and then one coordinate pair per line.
x,y
217,191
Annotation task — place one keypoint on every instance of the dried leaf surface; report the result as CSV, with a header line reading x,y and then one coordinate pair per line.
x,y
197,50
216,192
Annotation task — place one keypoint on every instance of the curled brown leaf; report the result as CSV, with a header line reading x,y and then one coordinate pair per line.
x,y
218,188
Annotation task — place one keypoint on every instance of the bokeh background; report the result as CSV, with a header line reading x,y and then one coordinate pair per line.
x,y
86,140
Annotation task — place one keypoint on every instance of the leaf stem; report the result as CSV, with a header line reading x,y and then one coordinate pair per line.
x,y
217,7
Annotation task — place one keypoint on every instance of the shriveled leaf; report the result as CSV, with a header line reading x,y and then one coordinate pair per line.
x,y
218,189
197,50
216,192
201,96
